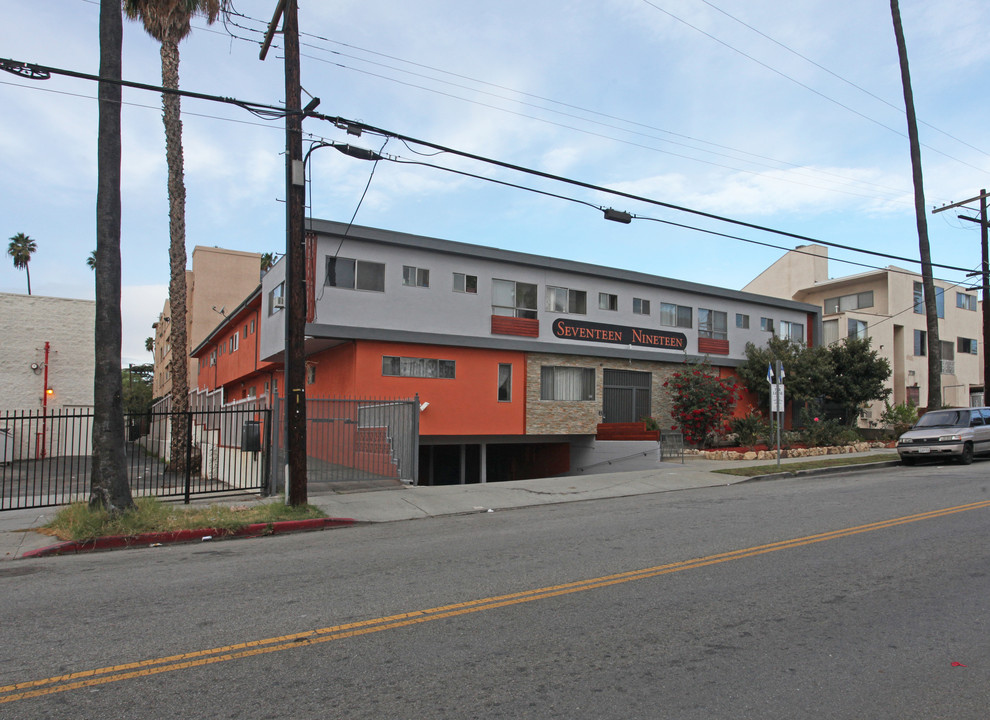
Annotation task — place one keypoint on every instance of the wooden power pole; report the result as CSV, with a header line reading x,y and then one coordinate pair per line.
x,y
985,277
295,255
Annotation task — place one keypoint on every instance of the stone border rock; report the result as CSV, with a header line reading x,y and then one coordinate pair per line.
x,y
784,453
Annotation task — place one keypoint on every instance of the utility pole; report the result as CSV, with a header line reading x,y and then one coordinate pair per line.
x,y
295,255
985,276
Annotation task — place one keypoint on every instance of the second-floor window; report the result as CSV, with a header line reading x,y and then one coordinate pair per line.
x,y
855,301
415,276
966,345
675,315
465,283
919,300
514,299
641,306
795,331
355,274
608,301
235,341
565,300
857,329
966,302
712,324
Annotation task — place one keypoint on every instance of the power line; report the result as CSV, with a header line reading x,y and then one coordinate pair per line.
x,y
352,125
801,84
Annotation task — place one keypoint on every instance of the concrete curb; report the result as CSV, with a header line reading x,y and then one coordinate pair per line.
x,y
820,471
114,542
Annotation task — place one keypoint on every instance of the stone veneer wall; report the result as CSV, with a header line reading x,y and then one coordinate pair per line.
x,y
554,417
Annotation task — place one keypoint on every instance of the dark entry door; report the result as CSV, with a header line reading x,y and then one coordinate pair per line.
x,y
626,395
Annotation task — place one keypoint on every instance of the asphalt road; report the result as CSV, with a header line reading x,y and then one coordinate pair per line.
x,y
844,596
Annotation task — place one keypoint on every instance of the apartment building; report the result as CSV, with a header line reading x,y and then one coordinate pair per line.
x,y
219,280
888,306
513,356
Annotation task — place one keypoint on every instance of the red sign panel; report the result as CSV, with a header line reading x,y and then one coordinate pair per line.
x,y
618,334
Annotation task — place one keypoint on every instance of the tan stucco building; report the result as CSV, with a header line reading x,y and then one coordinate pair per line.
x,y
887,306
219,280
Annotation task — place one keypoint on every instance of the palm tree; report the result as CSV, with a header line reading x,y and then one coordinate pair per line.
x,y
108,488
927,282
168,22
149,344
91,261
267,260
21,249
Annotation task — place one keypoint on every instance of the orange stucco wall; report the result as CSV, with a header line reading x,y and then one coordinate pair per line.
x,y
464,405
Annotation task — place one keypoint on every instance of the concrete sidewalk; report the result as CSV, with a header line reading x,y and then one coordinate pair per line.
x,y
17,535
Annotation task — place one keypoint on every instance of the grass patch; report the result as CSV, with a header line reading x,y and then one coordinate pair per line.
x,y
78,522
755,470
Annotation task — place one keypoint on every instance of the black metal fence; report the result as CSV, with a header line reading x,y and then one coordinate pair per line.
x,y
45,456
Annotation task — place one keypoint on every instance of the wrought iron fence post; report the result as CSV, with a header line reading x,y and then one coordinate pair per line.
x,y
189,434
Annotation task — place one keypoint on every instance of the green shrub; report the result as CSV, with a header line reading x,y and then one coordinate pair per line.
x,y
752,429
815,430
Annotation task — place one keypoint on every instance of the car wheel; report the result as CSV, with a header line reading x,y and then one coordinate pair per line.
x,y
967,454
908,460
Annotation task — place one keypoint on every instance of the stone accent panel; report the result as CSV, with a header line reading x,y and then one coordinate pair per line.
x,y
554,417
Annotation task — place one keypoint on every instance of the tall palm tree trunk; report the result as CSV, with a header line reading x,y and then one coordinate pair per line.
x,y
931,315
109,487
179,363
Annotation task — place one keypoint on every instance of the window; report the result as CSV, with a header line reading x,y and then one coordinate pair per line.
x,y
844,303
565,300
919,300
245,330
355,274
641,306
966,302
415,277
675,315
966,345
417,367
465,283
713,324
213,357
742,321
276,298
514,299
608,301
830,332
766,324
310,373
793,331
252,326
857,329
920,343
235,341
948,357
567,383
504,382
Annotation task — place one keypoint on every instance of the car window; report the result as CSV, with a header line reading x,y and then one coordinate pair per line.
x,y
985,412
943,418
976,419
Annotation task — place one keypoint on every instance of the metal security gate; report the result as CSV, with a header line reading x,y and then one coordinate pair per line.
x,y
46,456
353,442
625,395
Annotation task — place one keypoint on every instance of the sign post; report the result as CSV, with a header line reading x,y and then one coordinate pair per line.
x,y
776,401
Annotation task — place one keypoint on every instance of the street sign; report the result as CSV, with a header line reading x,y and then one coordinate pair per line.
x,y
777,397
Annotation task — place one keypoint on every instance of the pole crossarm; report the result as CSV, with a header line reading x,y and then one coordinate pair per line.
x,y
979,197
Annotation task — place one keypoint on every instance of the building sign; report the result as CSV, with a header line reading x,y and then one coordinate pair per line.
x,y
618,335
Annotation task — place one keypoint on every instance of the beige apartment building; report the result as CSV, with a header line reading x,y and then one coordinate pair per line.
x,y
219,280
887,306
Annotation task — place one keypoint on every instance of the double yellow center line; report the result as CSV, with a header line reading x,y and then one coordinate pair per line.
x,y
144,668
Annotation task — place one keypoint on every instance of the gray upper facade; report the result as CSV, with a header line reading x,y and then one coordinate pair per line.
x,y
372,284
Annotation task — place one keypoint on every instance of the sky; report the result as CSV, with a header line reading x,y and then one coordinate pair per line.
x,y
787,116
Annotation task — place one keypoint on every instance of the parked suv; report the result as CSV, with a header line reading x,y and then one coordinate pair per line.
x,y
959,433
